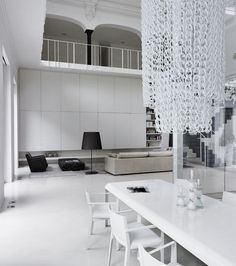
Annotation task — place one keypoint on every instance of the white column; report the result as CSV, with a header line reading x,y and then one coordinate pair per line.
x,y
178,155
1,133
8,124
15,126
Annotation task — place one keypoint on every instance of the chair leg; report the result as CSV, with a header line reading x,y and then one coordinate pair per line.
x,y
117,208
127,256
91,227
174,253
162,250
110,251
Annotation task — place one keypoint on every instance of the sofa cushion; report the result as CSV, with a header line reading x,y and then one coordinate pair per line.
x,y
113,155
71,164
132,155
160,153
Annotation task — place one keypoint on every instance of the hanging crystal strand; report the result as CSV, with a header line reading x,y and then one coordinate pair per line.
x,y
146,35
183,62
221,59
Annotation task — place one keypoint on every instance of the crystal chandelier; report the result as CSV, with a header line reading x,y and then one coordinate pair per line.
x,y
183,62
230,90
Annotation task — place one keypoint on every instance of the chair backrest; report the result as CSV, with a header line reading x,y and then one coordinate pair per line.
x,y
146,259
28,156
29,161
88,198
229,198
119,227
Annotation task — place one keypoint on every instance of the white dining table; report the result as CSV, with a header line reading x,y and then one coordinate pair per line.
x,y
208,233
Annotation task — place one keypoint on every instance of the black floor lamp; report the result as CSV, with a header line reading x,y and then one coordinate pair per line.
x,y
91,141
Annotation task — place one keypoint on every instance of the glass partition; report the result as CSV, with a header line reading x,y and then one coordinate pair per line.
x,y
230,146
213,156
205,154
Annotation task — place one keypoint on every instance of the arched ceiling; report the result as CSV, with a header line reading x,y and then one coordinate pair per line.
x,y
111,35
63,30
104,34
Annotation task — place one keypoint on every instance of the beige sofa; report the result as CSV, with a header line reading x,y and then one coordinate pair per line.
x,y
139,162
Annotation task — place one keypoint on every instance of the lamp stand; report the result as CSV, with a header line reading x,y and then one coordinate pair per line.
x,y
91,172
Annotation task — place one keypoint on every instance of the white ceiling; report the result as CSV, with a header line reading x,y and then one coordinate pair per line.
x,y
56,28
123,6
26,23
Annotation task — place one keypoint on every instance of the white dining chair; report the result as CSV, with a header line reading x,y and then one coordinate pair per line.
x,y
229,198
146,258
98,210
130,235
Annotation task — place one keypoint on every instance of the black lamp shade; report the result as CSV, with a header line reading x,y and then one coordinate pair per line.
x,y
91,141
171,140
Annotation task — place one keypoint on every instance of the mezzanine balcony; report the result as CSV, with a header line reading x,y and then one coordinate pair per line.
x,y
75,55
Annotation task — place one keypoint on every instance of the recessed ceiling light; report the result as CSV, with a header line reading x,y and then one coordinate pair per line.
x,y
230,11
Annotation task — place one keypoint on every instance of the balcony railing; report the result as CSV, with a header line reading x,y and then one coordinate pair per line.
x,y
76,53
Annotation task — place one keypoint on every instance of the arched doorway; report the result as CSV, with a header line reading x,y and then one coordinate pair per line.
x,y
120,47
64,41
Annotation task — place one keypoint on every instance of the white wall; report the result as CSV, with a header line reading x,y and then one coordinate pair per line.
x,y
6,42
26,23
1,134
56,108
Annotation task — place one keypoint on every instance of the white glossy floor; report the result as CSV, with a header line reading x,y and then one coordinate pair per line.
x,y
48,226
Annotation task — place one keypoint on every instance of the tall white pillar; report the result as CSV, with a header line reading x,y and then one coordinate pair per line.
x,y
1,133
178,155
8,124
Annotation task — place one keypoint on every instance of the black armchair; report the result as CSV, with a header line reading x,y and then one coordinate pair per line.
x,y
36,163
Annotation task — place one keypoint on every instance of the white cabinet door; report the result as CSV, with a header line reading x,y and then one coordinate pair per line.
x,y
30,90
122,131
138,130
70,134
51,131
88,93
30,139
106,126
122,95
88,123
105,94
137,106
51,91
70,92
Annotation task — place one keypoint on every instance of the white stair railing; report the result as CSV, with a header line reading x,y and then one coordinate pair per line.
x,y
76,53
